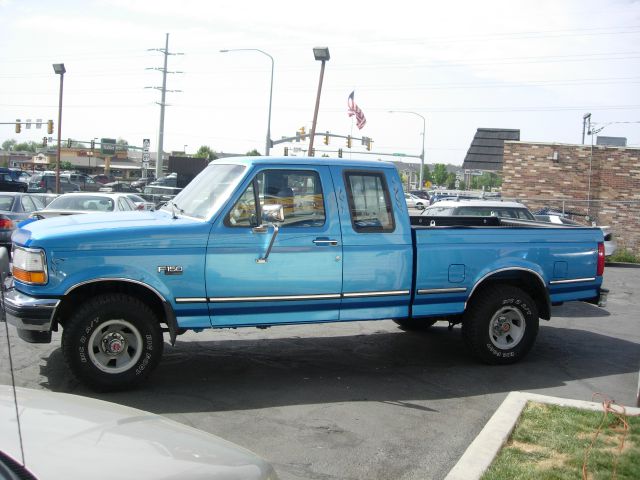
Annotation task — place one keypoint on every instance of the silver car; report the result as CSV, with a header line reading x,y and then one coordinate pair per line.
x,y
75,203
69,436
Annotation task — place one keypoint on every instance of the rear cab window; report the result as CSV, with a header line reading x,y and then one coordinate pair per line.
x,y
369,202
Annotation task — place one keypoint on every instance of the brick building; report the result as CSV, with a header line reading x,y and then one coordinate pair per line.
x,y
600,182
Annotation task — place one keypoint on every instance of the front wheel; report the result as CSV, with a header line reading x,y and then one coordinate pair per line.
x,y
112,342
501,324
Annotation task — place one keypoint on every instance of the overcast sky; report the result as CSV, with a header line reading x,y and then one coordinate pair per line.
x,y
535,66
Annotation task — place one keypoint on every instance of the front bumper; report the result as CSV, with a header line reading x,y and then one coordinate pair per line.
x,y
29,314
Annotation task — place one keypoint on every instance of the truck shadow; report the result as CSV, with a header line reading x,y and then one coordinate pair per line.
x,y
384,366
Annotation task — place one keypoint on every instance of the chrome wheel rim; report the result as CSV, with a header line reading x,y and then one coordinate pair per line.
x,y
115,346
506,328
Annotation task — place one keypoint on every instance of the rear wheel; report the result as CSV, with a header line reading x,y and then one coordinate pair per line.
x,y
501,324
415,324
112,342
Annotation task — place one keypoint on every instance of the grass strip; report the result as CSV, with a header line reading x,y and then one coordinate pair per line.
x,y
550,441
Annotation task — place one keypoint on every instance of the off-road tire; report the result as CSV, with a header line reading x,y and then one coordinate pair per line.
x,y
112,342
415,324
494,306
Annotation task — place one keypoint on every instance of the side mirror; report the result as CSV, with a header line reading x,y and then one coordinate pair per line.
x,y
272,213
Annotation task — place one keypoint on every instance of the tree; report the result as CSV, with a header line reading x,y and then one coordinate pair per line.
x,y
440,174
26,147
9,144
253,153
426,174
451,180
122,145
66,165
206,152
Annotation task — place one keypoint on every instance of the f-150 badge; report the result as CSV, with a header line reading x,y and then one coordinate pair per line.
x,y
170,269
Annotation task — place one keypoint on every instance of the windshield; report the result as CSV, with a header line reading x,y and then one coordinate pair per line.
x,y
206,193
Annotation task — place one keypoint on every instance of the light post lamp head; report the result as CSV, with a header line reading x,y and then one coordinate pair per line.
x,y
321,53
59,69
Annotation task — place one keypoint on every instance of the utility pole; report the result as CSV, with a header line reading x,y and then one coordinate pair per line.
x,y
162,103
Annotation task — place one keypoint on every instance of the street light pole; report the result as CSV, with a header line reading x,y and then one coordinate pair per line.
x,y
586,117
267,147
424,128
59,69
321,54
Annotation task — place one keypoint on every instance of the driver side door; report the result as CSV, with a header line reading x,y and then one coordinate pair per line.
x,y
301,279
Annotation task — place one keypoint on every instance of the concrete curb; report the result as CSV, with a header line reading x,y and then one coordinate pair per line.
x,y
621,264
480,454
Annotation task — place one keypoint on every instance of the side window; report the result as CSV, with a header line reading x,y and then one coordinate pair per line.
x,y
298,191
27,204
369,202
124,205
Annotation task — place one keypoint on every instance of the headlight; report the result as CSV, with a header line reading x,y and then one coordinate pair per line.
x,y
29,265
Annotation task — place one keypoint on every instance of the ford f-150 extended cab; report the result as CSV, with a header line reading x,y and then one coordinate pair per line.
x,y
267,241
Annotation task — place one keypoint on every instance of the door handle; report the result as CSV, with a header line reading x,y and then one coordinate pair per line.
x,y
325,241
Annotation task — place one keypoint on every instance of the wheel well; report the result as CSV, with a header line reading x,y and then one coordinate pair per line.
x,y
80,294
523,279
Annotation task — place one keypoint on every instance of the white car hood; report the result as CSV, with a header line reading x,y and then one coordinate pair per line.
x,y
68,436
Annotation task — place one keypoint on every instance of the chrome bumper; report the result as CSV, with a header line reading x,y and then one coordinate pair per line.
x,y
29,313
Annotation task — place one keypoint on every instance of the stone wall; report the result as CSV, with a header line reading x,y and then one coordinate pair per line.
x,y
600,184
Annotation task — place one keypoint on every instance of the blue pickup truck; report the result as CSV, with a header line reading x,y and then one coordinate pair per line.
x,y
259,242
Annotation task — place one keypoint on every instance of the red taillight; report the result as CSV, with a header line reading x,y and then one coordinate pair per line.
x,y
140,207
600,259
42,184
6,224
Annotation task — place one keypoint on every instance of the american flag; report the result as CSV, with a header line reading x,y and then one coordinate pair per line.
x,y
353,109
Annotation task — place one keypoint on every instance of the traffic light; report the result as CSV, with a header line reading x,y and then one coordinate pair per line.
x,y
302,132
286,151
369,142
68,143
93,144
348,141
18,125
44,141
326,139
50,127
339,153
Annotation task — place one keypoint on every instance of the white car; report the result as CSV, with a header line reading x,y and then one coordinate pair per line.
x,y
414,201
479,208
69,436
84,202
610,245
141,203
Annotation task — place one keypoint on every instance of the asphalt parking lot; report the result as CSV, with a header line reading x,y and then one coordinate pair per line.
x,y
364,400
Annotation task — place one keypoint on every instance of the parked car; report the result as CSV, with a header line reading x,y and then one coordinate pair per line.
x,y
16,174
414,201
117,187
15,207
8,184
610,245
479,208
84,181
46,183
159,194
75,203
423,194
102,178
142,182
141,203
169,180
69,436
